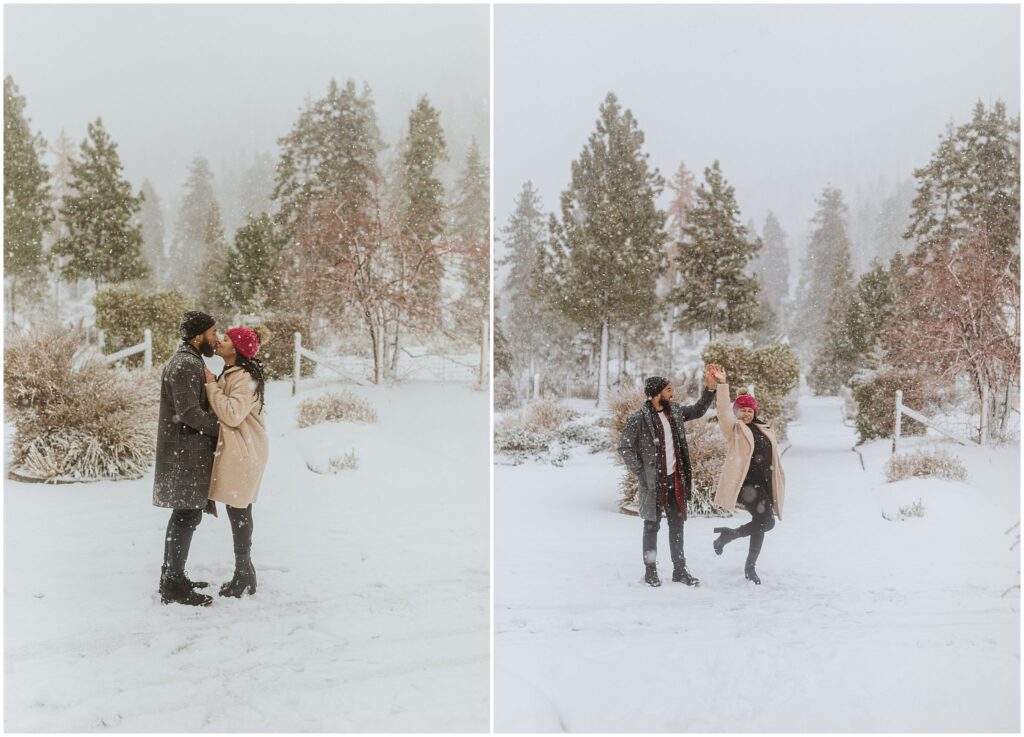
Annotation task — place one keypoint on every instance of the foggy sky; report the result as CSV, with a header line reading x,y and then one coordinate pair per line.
x,y
788,98
226,81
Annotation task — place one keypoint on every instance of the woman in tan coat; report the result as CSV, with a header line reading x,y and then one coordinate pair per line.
x,y
237,399
752,477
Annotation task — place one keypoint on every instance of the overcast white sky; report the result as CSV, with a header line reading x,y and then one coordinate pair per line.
x,y
173,81
788,98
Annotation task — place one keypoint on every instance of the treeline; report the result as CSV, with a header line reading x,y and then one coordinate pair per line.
x,y
940,299
352,233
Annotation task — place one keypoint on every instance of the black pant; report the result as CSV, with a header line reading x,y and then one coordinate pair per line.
x,y
241,532
178,540
761,521
675,533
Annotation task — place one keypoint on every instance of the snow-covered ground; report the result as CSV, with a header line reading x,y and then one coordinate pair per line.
x,y
372,608
861,624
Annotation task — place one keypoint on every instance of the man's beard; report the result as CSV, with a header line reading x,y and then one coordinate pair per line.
x,y
206,348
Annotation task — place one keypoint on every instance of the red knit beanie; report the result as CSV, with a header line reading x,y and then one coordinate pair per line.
x,y
745,400
246,341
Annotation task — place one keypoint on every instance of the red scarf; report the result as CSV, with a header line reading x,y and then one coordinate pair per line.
x,y
680,488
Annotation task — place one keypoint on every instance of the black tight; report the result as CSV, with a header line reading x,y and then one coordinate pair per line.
x,y
761,522
241,531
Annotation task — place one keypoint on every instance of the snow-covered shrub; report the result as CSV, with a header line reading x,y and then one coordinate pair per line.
x,y
546,431
278,356
515,439
347,462
774,370
875,395
124,313
334,407
916,509
76,418
704,442
938,463
545,415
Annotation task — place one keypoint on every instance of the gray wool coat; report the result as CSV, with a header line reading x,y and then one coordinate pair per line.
x,y
640,446
186,434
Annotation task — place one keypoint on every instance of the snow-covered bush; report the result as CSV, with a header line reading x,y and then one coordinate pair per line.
x,y
774,370
704,442
545,415
334,407
938,463
546,431
124,313
875,395
76,418
916,509
347,462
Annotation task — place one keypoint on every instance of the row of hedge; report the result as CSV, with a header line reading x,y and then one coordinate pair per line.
x,y
124,314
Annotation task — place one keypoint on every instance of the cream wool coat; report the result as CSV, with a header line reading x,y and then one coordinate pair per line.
x,y
242,447
739,441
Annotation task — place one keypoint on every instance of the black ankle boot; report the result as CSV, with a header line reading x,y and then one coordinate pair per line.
x,y
725,536
651,575
175,588
681,575
243,582
751,574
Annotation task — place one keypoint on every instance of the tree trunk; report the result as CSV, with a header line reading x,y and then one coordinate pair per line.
x,y
375,342
483,353
602,369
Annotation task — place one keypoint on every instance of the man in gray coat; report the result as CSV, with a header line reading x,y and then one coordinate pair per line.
x,y
653,447
186,439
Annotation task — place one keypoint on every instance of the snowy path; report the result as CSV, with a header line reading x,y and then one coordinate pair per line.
x,y
372,608
861,624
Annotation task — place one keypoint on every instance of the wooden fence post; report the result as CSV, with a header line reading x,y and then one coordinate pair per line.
x,y
297,366
899,419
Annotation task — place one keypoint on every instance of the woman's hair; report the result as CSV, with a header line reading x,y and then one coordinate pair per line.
x,y
254,368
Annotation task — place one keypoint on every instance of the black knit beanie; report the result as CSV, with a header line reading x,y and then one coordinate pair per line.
x,y
195,323
654,385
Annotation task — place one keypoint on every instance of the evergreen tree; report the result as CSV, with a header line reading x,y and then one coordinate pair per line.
x,y
200,251
607,249
257,186
772,269
151,218
103,241
684,193
892,223
827,246
714,293
250,279
835,360
27,210
423,215
471,229
870,313
971,183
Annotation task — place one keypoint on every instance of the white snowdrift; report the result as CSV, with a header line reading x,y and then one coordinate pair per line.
x,y
372,608
862,624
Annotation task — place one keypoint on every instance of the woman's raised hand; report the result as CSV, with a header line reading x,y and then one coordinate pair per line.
x,y
210,378
718,373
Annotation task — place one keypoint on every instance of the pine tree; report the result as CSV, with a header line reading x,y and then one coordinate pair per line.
x,y
151,218
607,249
27,210
471,229
835,361
714,293
772,269
200,251
423,215
827,246
330,215
684,194
892,223
870,313
971,183
250,279
103,241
